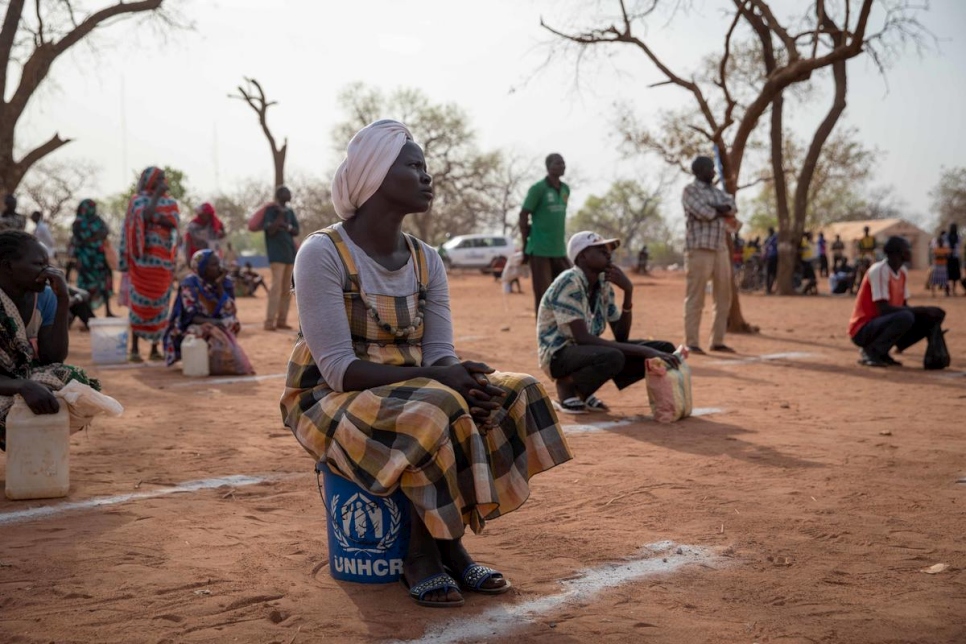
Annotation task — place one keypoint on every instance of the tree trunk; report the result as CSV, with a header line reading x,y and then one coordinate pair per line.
x,y
818,141
736,319
278,156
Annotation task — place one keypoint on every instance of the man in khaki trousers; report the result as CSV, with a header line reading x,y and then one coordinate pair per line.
x,y
281,228
708,211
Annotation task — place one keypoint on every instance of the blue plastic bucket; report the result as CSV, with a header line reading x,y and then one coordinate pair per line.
x,y
368,534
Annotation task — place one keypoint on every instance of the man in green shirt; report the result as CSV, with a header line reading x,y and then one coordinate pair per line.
x,y
542,225
281,228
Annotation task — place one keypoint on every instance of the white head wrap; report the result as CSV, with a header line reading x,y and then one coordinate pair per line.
x,y
370,154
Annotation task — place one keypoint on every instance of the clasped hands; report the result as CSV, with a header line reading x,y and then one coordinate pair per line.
x,y
468,378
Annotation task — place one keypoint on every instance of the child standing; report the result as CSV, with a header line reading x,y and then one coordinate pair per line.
x,y
940,276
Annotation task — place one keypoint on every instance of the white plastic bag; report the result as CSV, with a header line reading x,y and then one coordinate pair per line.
x,y
84,403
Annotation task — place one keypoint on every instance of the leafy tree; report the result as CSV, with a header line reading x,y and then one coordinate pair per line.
x,y
949,198
474,190
627,211
31,41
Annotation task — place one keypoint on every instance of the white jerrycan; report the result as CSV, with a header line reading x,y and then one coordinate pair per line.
x,y
194,356
38,453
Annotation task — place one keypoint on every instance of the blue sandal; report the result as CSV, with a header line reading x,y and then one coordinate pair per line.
x,y
442,581
476,575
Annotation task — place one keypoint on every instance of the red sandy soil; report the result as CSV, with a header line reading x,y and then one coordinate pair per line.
x,y
823,487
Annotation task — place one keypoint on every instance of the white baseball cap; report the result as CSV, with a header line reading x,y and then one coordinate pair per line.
x,y
584,240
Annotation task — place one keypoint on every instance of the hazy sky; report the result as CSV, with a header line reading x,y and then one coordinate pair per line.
x,y
143,99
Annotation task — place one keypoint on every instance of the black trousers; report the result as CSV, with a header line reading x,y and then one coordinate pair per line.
x,y
900,329
591,366
543,271
771,272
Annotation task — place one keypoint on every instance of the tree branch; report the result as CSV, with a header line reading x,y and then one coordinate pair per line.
x,y
37,154
38,65
614,35
7,36
777,28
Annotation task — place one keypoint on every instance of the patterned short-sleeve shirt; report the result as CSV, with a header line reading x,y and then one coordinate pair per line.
x,y
568,299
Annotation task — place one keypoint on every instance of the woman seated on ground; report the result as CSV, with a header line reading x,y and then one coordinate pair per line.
x,y
375,388
205,308
34,315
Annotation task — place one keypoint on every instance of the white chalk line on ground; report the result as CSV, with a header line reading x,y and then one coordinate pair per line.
x,y
497,623
789,355
20,516
586,428
229,380
946,375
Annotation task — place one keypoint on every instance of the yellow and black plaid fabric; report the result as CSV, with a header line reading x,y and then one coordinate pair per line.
x,y
418,434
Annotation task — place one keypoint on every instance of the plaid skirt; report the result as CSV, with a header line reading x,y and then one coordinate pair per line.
x,y
418,435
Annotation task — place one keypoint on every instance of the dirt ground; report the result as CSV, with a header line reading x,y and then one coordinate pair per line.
x,y
819,490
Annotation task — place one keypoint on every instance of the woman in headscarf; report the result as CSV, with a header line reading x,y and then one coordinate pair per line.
x,y
34,317
148,253
205,308
375,388
204,231
94,275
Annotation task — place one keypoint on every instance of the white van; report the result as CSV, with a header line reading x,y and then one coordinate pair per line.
x,y
486,252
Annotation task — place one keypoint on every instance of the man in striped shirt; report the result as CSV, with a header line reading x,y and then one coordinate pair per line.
x,y
707,211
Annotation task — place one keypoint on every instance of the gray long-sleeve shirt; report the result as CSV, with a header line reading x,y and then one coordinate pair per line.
x,y
319,277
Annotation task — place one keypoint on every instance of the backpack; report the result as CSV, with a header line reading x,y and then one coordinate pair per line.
x,y
937,354
257,218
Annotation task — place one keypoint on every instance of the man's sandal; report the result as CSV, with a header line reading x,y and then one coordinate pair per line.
x,y
571,405
476,575
441,581
135,357
596,404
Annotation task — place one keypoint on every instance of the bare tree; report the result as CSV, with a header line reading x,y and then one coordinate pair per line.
x,y
253,94
949,198
30,42
724,121
55,187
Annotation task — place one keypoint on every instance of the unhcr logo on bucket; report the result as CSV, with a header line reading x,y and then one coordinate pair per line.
x,y
368,534
362,525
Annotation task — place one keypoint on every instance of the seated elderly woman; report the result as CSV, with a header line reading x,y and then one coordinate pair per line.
x,y
34,316
375,388
205,308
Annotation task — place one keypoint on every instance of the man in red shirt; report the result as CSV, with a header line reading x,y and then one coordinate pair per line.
x,y
882,317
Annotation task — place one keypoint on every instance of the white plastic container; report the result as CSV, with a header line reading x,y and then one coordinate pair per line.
x,y
38,453
194,356
109,340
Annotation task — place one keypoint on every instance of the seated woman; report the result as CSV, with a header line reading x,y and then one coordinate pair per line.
x,y
34,303
375,388
205,308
